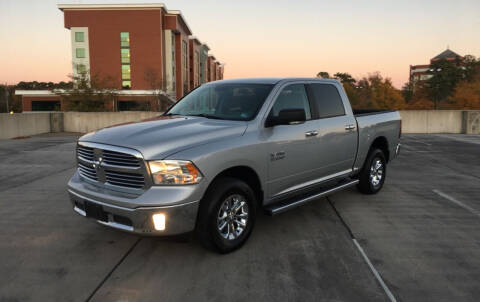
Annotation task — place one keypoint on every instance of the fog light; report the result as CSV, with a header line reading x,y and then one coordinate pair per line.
x,y
159,222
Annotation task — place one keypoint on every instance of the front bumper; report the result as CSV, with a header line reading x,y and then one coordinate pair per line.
x,y
134,214
179,218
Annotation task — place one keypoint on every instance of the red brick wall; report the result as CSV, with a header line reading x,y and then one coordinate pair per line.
x,y
104,27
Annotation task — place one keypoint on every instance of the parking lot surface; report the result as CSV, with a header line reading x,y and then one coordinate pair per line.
x,y
417,240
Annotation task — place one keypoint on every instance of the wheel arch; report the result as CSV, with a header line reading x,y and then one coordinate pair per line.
x,y
381,143
246,174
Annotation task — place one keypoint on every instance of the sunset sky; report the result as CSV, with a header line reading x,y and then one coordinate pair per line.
x,y
266,38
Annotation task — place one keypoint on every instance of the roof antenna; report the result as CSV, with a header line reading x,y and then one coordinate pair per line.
x,y
448,47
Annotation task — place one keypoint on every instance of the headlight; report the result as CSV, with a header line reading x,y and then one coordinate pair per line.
x,y
174,172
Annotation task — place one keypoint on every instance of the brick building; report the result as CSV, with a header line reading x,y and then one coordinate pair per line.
x,y
195,48
139,49
419,73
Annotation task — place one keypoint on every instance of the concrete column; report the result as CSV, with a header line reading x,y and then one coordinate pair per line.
x,y
56,122
471,122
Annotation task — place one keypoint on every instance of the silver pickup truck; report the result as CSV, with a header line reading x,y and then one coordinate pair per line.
x,y
227,150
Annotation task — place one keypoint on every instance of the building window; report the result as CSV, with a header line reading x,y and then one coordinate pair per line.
x,y
81,69
125,55
80,52
125,72
125,60
79,36
125,39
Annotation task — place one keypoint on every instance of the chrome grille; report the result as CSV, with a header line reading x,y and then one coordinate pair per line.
x,y
125,179
120,159
87,172
85,152
112,166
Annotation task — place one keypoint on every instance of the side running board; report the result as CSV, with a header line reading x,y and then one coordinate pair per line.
x,y
284,206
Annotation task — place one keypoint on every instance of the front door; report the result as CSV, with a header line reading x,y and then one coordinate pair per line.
x,y
291,150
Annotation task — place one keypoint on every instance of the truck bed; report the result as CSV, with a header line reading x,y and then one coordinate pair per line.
x,y
376,123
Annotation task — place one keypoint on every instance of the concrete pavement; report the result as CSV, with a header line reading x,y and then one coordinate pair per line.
x,y
424,245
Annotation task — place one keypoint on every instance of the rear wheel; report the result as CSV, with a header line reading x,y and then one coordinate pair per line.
x,y
373,173
227,215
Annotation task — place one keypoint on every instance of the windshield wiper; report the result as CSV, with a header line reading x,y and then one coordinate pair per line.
x,y
170,114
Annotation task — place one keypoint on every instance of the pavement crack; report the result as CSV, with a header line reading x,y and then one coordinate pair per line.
x,y
113,270
341,218
372,268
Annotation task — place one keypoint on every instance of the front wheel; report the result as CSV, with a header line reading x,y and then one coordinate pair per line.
x,y
373,173
227,215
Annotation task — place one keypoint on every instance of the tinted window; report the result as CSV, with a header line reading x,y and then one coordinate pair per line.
x,y
327,100
224,101
292,97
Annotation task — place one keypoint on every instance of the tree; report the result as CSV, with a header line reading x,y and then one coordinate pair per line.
x,y
323,75
466,96
43,85
470,67
407,92
376,92
89,93
467,92
162,99
8,100
445,75
345,78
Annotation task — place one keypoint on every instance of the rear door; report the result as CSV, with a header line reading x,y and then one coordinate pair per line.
x,y
336,142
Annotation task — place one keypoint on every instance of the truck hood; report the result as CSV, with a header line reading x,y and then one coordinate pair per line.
x,y
162,136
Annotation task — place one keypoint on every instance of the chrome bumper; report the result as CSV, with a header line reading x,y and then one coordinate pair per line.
x,y
179,218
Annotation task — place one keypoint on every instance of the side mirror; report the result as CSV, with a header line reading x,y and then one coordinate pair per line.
x,y
286,117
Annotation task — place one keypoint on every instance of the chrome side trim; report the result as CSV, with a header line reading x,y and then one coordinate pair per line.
x,y
273,210
313,182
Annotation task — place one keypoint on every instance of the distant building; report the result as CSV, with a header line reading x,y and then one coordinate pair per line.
x,y
419,73
204,63
212,67
195,68
140,48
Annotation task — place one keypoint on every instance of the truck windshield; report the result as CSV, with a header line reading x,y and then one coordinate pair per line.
x,y
240,102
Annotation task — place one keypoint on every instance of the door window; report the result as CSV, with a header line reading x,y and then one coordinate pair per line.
x,y
327,100
292,97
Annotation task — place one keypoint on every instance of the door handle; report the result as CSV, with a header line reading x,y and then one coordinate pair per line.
x,y
311,133
350,127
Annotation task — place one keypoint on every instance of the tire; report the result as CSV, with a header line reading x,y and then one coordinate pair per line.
x,y
373,173
223,200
